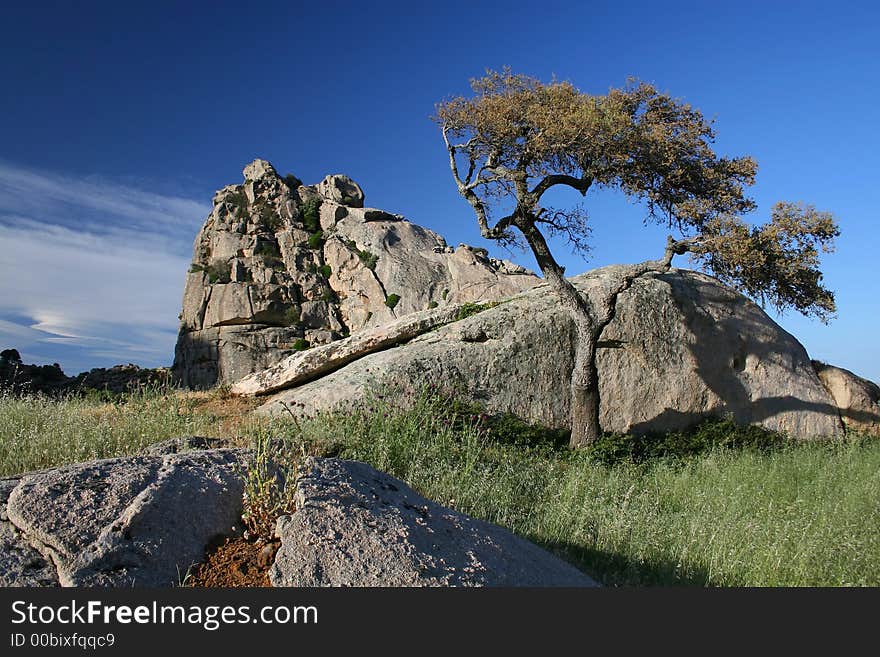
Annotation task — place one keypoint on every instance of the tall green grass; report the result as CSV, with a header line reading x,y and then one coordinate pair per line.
x,y
716,507
39,432
790,514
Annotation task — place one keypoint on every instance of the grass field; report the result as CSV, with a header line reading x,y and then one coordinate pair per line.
x,y
718,507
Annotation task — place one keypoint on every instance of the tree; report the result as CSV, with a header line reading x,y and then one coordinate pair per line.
x,y
517,138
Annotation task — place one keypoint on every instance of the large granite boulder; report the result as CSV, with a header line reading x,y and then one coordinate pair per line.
x,y
135,521
680,348
279,266
144,520
356,526
857,399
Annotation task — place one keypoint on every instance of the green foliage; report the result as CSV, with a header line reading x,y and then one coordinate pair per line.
x,y
269,218
219,271
301,344
325,271
469,309
731,514
239,201
392,300
292,316
368,259
444,295
195,268
292,181
275,263
269,488
655,149
432,305
707,436
329,295
311,217
267,249
39,432
802,515
316,240
508,429
347,200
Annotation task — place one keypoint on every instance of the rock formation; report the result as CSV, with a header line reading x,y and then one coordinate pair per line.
x,y
279,266
144,520
135,521
680,348
356,526
857,399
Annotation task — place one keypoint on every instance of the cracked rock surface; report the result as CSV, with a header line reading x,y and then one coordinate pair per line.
x,y
357,526
20,563
133,521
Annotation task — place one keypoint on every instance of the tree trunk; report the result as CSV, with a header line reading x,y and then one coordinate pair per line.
x,y
585,427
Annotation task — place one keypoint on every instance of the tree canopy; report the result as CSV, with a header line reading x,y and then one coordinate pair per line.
x,y
517,137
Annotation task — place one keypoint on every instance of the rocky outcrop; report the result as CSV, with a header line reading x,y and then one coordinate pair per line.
x,y
279,266
681,347
857,399
356,526
136,521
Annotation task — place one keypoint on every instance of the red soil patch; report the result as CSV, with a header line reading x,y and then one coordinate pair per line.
x,y
236,563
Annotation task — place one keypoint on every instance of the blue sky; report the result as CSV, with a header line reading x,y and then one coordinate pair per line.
x,y
119,120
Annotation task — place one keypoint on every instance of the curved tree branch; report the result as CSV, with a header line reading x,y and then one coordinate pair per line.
x,y
580,184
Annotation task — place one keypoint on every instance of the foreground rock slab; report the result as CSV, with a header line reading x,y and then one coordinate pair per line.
x,y
136,521
356,526
20,563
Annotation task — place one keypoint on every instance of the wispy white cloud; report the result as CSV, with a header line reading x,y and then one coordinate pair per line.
x,y
91,272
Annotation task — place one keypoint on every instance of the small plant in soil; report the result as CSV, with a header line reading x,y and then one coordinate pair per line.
x,y
268,488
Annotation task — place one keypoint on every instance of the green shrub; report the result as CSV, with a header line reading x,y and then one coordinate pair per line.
x,y
368,259
325,271
239,201
219,271
292,315
269,489
195,267
468,309
311,216
508,429
432,305
275,263
267,249
392,300
316,240
713,433
444,295
301,344
269,218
